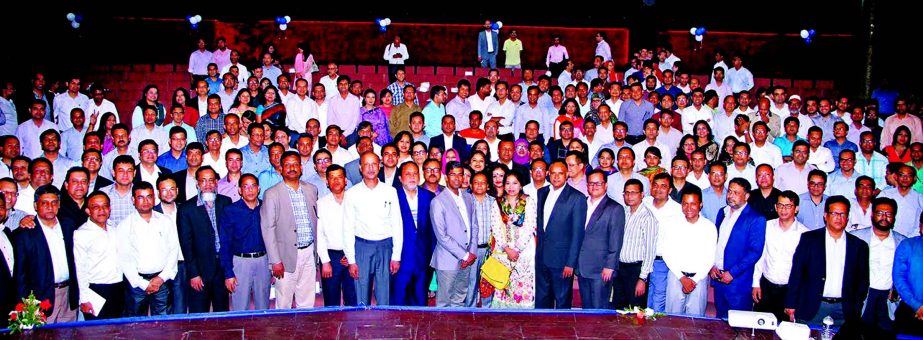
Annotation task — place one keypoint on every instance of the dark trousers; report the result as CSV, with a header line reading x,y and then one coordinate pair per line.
x,y
340,284
409,286
214,294
875,318
138,301
551,290
178,290
594,292
730,296
905,321
634,140
556,69
773,299
114,293
624,287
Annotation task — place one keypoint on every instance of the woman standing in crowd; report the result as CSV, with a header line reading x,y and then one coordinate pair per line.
x,y
271,109
705,140
242,103
190,112
514,228
899,150
498,173
304,63
376,116
150,97
607,161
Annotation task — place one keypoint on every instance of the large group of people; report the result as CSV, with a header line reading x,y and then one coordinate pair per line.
x,y
640,184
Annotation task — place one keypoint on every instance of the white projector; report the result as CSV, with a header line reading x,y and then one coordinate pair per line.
x,y
755,320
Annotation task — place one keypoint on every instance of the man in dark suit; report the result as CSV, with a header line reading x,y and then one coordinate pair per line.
x,y
830,272
561,218
73,199
505,152
148,168
741,235
411,283
448,135
92,160
8,295
602,242
194,153
44,261
198,226
488,45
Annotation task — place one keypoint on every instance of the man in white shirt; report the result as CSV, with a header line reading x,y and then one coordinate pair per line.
x,y
721,87
481,99
395,54
99,105
51,144
72,138
65,102
234,61
329,82
340,155
148,130
651,131
819,156
198,61
770,276
741,166
602,47
96,256
502,110
794,175
373,233
666,211
696,112
29,131
148,248
459,107
300,108
910,202
739,77
538,172
761,151
335,279
689,253
843,181
697,175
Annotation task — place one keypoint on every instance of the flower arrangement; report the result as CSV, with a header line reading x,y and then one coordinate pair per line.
x,y
28,314
641,315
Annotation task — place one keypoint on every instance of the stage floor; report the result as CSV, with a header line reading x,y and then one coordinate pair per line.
x,y
398,323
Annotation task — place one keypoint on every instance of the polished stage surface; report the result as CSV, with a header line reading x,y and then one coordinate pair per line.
x,y
398,323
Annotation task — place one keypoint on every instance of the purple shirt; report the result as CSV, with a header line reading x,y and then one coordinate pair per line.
x,y
379,122
228,188
343,112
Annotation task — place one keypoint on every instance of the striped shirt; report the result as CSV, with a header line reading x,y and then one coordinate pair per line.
x,y
482,210
397,93
874,168
121,205
210,209
639,242
302,222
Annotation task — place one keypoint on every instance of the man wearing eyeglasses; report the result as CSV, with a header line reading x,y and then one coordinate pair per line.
x,y
741,235
830,272
882,242
812,202
772,270
843,181
679,170
870,162
794,175
910,201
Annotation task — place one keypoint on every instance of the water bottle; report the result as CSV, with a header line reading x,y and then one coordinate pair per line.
x,y
827,333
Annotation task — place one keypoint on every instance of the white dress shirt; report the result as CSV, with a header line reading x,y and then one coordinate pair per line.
x,y
550,201
321,112
63,104
54,236
481,104
25,199
7,249
822,159
690,247
330,217
506,111
748,173
788,177
591,208
665,153
242,74
104,107
775,264
881,261
219,164
373,214
147,247
858,218
835,251
670,138
906,222
531,190
665,216
298,112
340,156
96,257
29,134
724,233
198,62
691,115
141,133
739,80
330,85
390,50
701,182
768,154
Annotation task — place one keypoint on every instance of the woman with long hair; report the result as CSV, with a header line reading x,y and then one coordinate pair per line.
x,y
105,130
271,109
403,140
242,103
498,173
514,221
246,118
482,146
705,140
899,150
386,102
376,116
304,63
150,96
570,111
190,112
478,161
727,150
687,145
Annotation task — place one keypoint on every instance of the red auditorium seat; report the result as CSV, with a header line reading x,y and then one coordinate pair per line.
x,y
448,71
761,82
824,84
782,82
481,71
803,84
368,69
426,70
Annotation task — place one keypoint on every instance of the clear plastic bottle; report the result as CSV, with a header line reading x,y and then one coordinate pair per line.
x,y
827,333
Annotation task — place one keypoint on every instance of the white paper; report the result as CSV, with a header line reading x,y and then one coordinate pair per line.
x,y
97,301
468,73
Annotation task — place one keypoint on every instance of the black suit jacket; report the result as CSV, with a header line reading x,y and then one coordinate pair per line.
x,y
101,182
180,178
24,100
197,237
806,281
72,211
33,269
560,237
9,297
602,239
397,177
458,143
161,171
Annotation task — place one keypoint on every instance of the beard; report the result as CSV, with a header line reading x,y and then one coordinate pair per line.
x,y
883,228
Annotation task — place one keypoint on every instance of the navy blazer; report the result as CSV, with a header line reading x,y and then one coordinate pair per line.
x,y
197,238
101,182
419,240
559,239
180,178
396,183
9,297
33,270
744,248
458,143
806,282
602,240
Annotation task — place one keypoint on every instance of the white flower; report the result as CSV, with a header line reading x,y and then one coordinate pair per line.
x,y
649,311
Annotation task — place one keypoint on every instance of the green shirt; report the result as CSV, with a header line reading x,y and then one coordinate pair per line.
x,y
918,186
512,49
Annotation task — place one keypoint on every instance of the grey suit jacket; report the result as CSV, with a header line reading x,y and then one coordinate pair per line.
x,y
866,235
277,222
453,242
602,240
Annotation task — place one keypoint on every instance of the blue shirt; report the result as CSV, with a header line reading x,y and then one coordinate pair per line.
x,y
826,124
784,145
836,148
908,272
272,72
255,162
810,214
213,86
634,115
206,124
712,204
240,233
166,160
673,91
268,178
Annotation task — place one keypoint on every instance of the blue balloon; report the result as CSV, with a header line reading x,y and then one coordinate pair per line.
x,y
807,40
78,18
195,26
811,32
494,26
383,29
378,21
700,31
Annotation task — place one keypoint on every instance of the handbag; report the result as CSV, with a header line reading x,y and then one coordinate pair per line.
x,y
495,273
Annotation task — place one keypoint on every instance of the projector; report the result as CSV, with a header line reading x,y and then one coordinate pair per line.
x,y
755,320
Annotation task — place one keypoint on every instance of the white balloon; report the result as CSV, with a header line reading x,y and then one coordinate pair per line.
x,y
387,21
804,34
71,16
692,30
548,73
75,24
698,38
283,27
499,24
288,19
198,18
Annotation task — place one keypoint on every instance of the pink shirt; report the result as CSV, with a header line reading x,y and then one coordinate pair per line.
x,y
556,54
344,112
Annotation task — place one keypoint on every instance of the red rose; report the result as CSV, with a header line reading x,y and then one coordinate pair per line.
x,y
20,307
13,316
45,305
